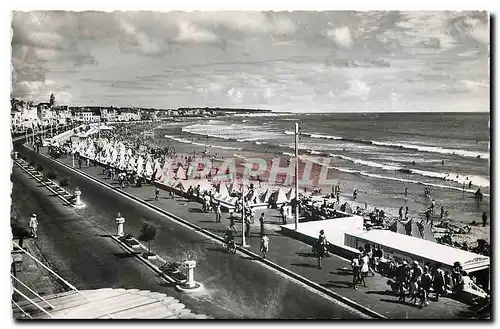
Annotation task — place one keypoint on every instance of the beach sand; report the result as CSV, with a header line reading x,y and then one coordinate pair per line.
x,y
461,206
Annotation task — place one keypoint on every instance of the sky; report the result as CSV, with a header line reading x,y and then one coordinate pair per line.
x,y
322,61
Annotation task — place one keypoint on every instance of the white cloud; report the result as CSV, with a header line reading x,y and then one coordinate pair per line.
x,y
146,44
357,89
341,36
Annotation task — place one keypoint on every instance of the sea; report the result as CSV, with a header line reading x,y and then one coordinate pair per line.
x,y
378,154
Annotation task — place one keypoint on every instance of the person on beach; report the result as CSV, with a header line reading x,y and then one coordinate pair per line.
x,y
320,248
264,245
427,216
261,221
484,218
157,193
33,225
218,213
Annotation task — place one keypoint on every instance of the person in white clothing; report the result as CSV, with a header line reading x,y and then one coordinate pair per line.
x,y
264,245
33,225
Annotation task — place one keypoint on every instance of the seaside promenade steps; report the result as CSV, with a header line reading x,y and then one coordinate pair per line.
x,y
108,303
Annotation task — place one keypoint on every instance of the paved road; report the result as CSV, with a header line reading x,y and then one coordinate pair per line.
x,y
236,287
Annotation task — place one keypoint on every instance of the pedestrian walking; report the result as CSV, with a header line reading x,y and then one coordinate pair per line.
x,y
321,247
364,264
441,215
406,213
33,225
157,193
282,213
406,192
264,245
79,162
355,272
355,195
261,220
218,213
433,206
400,213
425,287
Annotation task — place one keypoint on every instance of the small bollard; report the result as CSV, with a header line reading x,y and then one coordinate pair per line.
x,y
189,265
190,285
119,220
77,195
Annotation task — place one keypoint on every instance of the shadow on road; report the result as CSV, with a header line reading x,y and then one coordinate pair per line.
x,y
125,255
195,210
305,254
305,265
337,284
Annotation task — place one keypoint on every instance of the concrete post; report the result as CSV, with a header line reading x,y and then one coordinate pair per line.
x,y
119,222
189,265
77,194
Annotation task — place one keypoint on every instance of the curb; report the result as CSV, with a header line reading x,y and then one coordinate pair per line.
x,y
275,266
145,261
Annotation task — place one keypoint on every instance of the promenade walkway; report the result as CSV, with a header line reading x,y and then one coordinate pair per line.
x,y
296,256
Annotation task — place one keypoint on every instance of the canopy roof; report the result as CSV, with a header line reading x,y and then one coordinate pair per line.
x,y
421,248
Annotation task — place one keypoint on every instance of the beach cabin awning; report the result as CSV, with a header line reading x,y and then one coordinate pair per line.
x,y
419,249
398,227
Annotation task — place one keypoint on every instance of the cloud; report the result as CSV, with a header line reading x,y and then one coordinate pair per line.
x,y
357,89
341,36
145,43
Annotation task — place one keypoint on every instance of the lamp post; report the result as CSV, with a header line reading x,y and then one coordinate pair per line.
x,y
243,223
296,176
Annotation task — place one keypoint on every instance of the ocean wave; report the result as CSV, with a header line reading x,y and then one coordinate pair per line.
x,y
185,141
458,178
435,149
363,173
414,147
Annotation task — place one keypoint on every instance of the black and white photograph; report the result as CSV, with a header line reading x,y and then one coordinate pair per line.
x,y
244,165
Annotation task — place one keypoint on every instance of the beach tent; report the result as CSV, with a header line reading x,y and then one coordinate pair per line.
x,y
398,227
346,208
280,196
264,196
235,187
428,234
180,173
205,185
182,185
291,194
412,229
222,189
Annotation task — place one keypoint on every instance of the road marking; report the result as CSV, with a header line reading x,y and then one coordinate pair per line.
x,y
310,285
